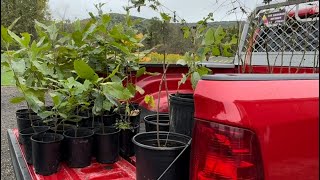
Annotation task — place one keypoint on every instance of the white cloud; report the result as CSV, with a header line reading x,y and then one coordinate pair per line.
x,y
190,10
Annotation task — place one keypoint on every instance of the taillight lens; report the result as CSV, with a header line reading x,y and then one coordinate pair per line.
x,y
222,152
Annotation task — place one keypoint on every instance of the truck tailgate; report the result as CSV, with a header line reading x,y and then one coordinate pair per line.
x,y
121,170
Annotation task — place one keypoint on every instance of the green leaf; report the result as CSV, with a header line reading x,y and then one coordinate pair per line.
x,y
165,17
131,88
227,50
45,114
107,105
140,90
234,40
77,37
186,32
5,36
89,31
114,72
13,23
98,104
117,90
152,73
19,66
105,18
124,49
203,71
15,37
26,37
17,100
74,119
55,98
148,99
183,80
115,79
216,50
64,116
85,71
209,37
219,35
181,62
91,15
195,77
34,101
141,71
39,24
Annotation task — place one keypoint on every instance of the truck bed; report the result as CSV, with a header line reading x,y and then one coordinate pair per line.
x,y
121,170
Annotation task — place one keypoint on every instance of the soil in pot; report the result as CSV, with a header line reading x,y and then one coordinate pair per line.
x,y
78,147
46,152
181,113
151,122
126,144
148,156
25,135
107,144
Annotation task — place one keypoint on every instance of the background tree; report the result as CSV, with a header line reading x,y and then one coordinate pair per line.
x,y
27,10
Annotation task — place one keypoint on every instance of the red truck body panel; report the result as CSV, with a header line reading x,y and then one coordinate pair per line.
x,y
174,74
283,114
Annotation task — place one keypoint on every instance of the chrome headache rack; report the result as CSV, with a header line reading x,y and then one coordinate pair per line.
x,y
281,34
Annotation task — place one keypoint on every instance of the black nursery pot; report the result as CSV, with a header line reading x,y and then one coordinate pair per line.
x,y
24,113
46,152
108,118
24,122
151,122
60,129
25,135
78,147
148,156
92,123
181,112
134,120
126,145
107,144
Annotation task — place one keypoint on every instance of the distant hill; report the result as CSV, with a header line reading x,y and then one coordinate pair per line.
x,y
116,17
172,33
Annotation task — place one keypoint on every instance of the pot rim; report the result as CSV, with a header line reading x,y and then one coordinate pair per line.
x,y
155,123
159,148
110,127
78,137
26,134
47,142
182,99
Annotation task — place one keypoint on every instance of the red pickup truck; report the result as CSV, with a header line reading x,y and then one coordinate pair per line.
x,y
256,118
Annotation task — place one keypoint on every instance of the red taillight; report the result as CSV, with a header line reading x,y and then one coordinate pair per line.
x,y
222,152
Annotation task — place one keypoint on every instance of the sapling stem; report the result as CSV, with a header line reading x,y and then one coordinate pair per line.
x,y
158,106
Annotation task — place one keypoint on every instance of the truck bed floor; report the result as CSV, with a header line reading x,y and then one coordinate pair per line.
x,y
121,170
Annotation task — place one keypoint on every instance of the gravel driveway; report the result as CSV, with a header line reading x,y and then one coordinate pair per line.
x,y
8,121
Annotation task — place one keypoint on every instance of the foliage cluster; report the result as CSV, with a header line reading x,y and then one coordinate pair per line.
x,y
64,66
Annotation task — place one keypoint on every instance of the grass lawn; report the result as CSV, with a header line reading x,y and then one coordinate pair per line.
x,y
7,77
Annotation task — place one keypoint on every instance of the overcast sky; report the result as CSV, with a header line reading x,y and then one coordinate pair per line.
x,y
190,10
